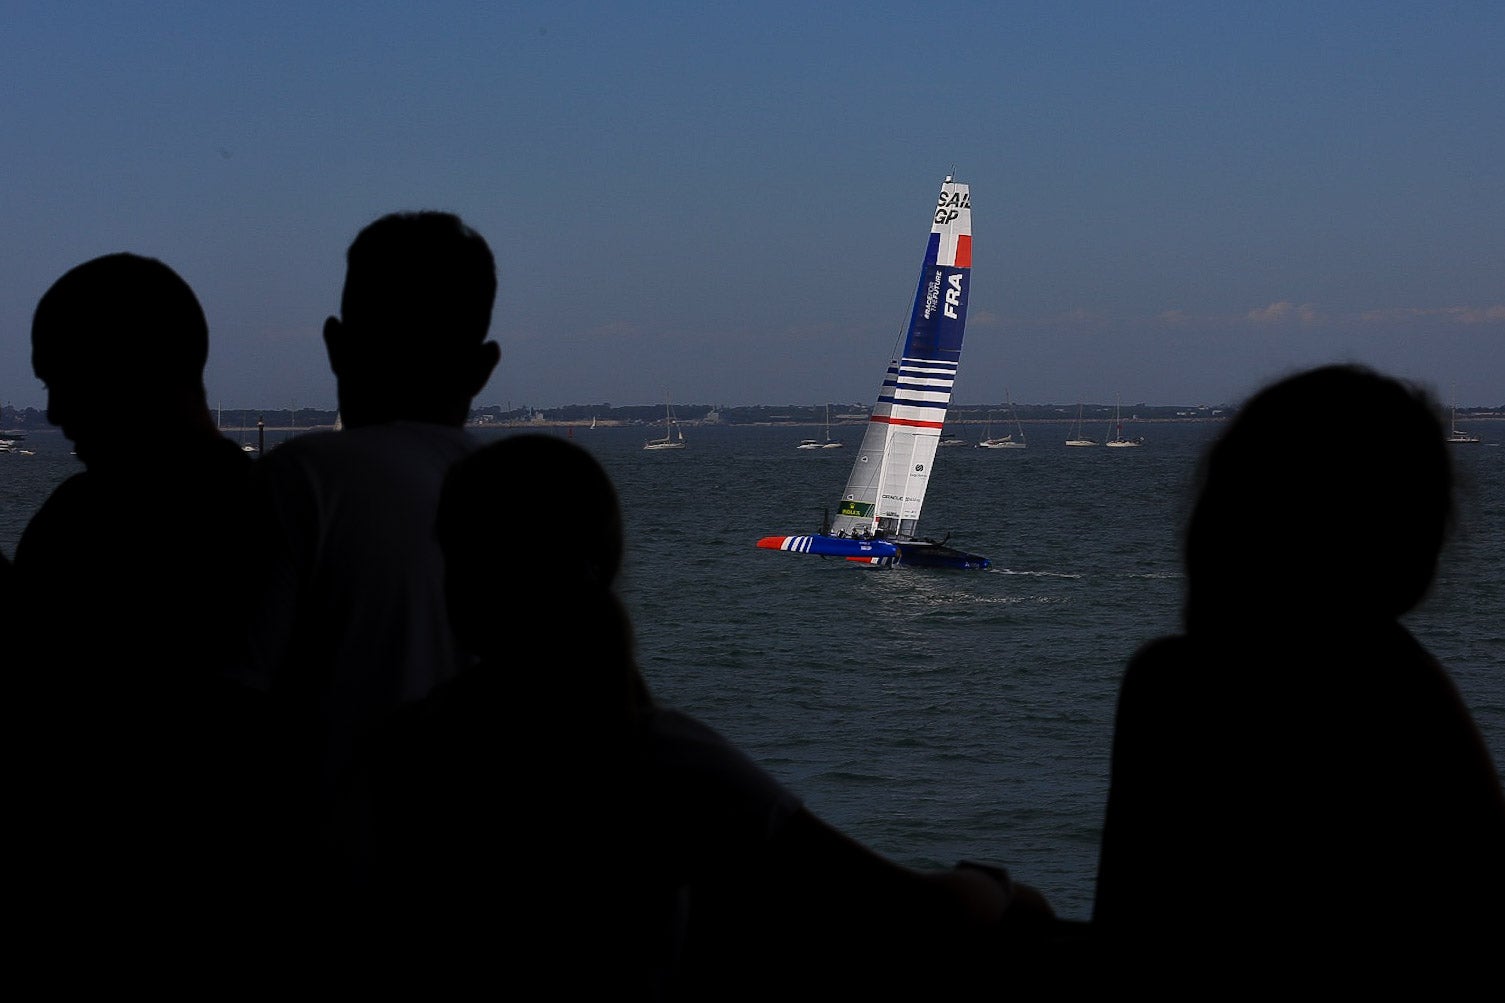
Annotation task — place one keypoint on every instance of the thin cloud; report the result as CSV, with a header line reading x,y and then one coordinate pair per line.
x,y
1284,312
1454,314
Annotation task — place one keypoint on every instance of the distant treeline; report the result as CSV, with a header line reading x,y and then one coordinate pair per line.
x,y
694,414
841,414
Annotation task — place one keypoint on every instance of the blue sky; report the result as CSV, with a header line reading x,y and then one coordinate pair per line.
x,y
1172,202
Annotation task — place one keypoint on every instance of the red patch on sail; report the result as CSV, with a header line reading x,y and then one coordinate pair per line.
x,y
964,251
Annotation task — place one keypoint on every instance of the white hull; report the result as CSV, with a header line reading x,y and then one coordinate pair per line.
x,y
1118,439
1078,439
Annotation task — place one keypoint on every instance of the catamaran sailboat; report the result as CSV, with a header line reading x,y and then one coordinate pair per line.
x,y
877,521
674,436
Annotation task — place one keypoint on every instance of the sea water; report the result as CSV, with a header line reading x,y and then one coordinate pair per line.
x,y
935,715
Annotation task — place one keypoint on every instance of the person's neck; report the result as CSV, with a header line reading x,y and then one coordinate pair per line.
x,y
181,429
357,414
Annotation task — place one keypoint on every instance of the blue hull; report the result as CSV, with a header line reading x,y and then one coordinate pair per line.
x,y
878,553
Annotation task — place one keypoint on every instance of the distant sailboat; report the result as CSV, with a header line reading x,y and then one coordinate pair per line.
x,y
674,436
951,439
1007,440
245,447
1118,432
1077,438
1456,437
989,440
831,443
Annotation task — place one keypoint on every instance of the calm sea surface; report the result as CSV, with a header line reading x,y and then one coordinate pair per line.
x,y
936,715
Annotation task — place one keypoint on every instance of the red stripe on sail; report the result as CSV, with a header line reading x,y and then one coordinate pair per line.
x,y
964,251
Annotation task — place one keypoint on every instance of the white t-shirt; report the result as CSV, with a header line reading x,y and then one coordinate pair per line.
x,y
350,620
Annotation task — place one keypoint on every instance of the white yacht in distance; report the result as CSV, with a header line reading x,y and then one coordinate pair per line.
x,y
674,436
1456,436
1118,433
1077,438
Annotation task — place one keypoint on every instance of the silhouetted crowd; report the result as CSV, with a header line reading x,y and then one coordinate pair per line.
x,y
328,715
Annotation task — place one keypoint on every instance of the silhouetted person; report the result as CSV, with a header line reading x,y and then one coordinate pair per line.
x,y
138,750
7,581
1295,780
349,619
135,545
545,781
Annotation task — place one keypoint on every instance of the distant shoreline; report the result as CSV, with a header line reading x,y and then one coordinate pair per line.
x,y
19,422
847,422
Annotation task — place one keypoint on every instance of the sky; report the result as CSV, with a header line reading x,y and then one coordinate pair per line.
x,y
727,203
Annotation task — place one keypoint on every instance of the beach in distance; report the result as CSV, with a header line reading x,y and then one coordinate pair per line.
x,y
935,715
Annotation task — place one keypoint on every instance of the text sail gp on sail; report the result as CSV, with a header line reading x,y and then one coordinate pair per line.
x,y
877,522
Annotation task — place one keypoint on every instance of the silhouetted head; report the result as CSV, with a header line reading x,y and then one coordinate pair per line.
x,y
410,341
1327,499
112,333
527,516
531,531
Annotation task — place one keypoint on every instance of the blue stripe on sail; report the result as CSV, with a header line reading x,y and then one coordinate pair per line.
x,y
920,384
928,366
920,402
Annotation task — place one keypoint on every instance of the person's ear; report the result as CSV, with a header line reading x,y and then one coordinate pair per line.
x,y
335,343
488,354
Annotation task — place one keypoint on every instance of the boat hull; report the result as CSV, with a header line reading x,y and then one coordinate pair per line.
x,y
878,553
928,554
